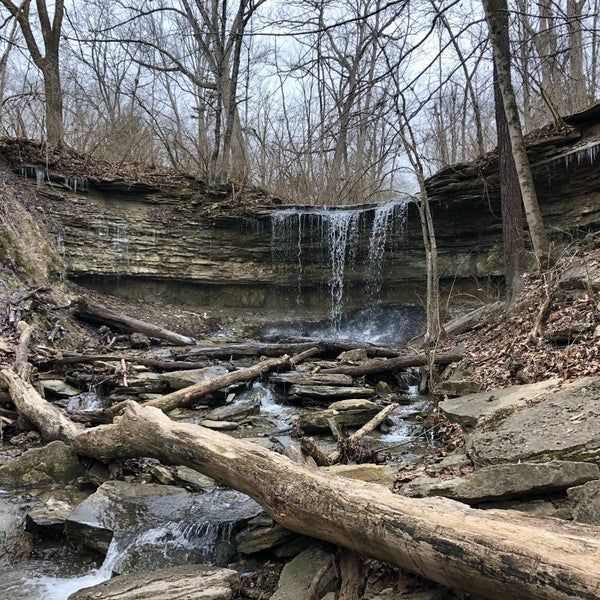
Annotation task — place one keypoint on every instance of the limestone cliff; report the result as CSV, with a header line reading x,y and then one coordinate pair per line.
x,y
152,232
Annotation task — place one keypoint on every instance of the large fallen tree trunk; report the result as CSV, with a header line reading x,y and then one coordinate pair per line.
x,y
99,314
492,554
381,365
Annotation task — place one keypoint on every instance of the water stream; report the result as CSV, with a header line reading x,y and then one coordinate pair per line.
x,y
336,236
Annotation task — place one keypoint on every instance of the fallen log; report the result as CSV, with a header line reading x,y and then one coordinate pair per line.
x,y
99,314
492,553
272,349
74,358
347,443
382,365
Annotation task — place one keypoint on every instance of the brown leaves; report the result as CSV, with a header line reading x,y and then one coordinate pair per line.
x,y
565,344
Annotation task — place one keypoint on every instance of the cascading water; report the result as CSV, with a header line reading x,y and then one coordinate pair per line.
x,y
337,234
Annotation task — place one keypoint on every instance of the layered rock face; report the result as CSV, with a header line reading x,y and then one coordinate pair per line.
x,y
174,238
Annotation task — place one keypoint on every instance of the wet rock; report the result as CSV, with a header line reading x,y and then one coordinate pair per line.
x,y
194,480
190,582
564,424
381,474
180,379
149,526
506,481
59,388
16,544
54,510
299,579
327,393
316,421
586,502
219,425
468,410
53,463
234,412
84,401
356,355
139,340
262,533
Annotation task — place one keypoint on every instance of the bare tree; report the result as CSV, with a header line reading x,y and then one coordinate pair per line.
x,y
48,60
496,14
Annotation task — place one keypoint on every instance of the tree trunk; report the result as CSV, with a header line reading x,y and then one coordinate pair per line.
x,y
496,14
512,208
489,553
54,104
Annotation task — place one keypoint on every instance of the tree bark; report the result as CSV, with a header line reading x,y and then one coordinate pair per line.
x,y
511,203
492,553
496,15
54,103
382,365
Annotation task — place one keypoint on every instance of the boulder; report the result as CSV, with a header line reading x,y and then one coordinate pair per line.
x,y
16,544
139,340
189,582
350,356
565,424
181,379
381,474
311,574
383,388
506,481
468,410
150,526
360,404
54,463
585,500
162,474
261,533
581,275
457,387
56,505
237,411
59,388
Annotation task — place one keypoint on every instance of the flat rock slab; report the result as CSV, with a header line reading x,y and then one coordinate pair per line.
x,y
193,582
564,425
181,379
506,481
54,463
55,508
468,410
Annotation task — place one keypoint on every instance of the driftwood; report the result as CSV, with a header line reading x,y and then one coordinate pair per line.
x,y
489,553
381,365
73,358
99,314
367,428
278,348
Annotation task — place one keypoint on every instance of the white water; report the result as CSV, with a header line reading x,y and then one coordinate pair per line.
x,y
337,234
197,539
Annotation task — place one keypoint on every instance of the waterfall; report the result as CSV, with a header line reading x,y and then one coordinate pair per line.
x,y
337,234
